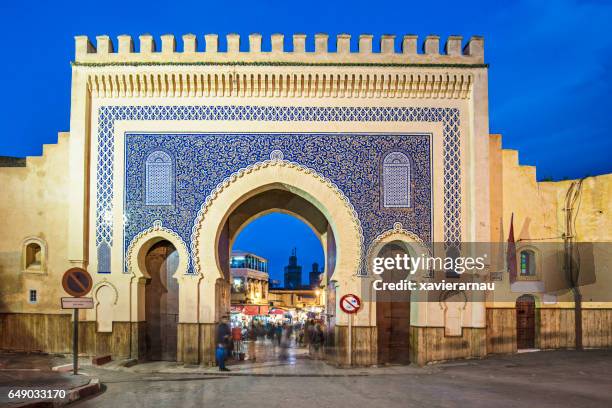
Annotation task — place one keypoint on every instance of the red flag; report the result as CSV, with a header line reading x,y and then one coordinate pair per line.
x,y
511,252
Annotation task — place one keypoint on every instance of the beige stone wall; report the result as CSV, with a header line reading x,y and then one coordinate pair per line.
x,y
539,215
35,204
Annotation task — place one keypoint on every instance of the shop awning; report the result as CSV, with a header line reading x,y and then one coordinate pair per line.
x,y
251,310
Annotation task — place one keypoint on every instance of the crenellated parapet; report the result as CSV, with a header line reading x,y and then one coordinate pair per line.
x,y
453,53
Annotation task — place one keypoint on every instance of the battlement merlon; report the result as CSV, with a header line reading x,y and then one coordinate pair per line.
x,y
472,54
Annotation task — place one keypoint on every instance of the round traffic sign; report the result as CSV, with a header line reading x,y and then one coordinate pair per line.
x,y
350,303
77,282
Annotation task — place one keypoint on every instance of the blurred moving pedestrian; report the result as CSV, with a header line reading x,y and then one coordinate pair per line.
x,y
278,332
223,339
237,341
317,339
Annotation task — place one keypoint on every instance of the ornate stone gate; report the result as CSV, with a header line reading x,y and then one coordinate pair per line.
x,y
180,141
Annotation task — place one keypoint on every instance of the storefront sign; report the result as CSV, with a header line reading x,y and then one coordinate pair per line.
x,y
251,310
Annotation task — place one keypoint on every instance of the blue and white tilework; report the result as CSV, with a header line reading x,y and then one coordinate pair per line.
x,y
352,161
159,178
396,180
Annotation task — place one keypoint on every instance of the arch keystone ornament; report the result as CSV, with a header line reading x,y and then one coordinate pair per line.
x,y
276,155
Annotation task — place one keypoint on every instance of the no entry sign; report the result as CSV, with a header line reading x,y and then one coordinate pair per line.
x,y
350,303
77,282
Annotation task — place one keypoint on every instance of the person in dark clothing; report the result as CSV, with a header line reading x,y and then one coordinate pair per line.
x,y
278,332
317,338
271,331
223,339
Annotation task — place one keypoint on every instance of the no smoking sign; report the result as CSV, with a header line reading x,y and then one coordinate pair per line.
x,y
350,303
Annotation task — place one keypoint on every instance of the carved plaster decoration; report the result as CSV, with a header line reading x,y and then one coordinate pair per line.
x,y
105,282
157,231
381,239
196,230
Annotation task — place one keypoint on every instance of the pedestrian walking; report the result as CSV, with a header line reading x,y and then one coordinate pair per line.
x,y
278,332
237,342
223,339
317,340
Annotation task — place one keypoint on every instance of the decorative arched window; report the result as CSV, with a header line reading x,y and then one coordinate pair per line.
x,y
34,254
396,180
528,264
104,258
158,179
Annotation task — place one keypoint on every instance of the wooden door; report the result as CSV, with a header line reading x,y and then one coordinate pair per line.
x,y
393,316
383,326
161,302
525,322
400,333
393,322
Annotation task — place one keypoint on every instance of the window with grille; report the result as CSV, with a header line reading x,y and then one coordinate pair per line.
x,y
396,180
33,296
158,181
528,263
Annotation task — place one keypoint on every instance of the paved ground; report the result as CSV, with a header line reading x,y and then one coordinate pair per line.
x,y
287,378
32,371
542,379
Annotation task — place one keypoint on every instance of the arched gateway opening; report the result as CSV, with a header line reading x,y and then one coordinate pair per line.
x,y
277,290
276,199
276,310
161,302
270,186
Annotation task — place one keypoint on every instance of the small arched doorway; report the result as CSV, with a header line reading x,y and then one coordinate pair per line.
x,y
161,302
393,312
525,322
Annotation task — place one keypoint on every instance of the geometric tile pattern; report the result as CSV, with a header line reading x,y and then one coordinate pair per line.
x,y
350,161
448,117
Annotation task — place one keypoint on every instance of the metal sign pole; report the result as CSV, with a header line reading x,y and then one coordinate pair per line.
x,y
75,341
350,340
76,282
350,304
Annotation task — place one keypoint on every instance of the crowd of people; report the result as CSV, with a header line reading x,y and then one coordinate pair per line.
x,y
231,340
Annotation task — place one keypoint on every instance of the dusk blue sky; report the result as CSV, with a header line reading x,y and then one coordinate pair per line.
x,y
548,89
273,236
